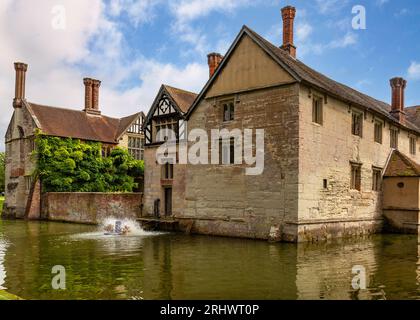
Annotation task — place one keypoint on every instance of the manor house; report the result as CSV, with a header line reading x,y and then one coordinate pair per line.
x,y
337,162
23,192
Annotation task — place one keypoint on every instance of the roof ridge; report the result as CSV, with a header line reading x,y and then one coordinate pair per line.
x,y
179,89
312,76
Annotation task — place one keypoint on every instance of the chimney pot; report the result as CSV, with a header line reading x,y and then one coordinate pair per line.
x,y
214,60
20,83
398,86
288,13
92,96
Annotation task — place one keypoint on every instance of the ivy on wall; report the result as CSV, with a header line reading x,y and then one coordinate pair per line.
x,y
70,165
2,169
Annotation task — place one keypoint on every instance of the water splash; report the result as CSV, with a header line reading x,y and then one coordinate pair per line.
x,y
133,227
107,226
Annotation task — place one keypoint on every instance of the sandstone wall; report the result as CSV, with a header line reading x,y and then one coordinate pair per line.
x,y
223,200
155,186
19,163
90,208
325,153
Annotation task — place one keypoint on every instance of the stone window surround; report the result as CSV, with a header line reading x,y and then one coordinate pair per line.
x,y
357,130
394,140
356,176
412,144
377,178
317,115
378,123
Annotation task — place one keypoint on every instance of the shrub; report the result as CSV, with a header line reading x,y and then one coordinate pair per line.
x,y
70,165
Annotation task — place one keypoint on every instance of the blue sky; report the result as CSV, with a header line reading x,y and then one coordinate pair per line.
x,y
133,46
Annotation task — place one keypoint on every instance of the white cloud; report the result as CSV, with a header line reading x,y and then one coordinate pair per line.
x,y
330,6
381,2
414,70
348,40
138,11
303,31
189,10
186,12
92,44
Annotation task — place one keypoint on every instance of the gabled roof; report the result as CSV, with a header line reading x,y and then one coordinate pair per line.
x,y
182,100
304,74
68,123
413,114
400,165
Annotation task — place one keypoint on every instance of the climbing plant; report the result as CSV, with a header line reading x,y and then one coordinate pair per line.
x,y
2,169
70,165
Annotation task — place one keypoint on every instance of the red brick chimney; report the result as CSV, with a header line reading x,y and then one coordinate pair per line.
x,y
398,86
20,84
92,96
214,60
288,13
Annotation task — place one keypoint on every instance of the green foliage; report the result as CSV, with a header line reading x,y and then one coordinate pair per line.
x,y
69,165
2,174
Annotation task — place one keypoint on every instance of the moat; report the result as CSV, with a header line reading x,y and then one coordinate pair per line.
x,y
175,266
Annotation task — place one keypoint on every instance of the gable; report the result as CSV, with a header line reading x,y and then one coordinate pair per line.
x,y
400,165
249,67
9,132
164,106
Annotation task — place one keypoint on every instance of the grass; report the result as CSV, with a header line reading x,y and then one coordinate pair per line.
x,y
7,296
1,203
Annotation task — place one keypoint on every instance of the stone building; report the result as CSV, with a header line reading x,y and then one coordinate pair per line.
x,y
326,148
165,192
22,193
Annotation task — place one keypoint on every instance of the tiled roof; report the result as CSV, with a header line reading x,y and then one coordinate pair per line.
x,y
335,88
413,114
61,122
305,74
184,99
400,165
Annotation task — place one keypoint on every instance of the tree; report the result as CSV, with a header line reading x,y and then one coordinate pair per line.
x,y
2,174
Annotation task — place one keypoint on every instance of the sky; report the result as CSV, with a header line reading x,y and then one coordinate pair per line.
x,y
134,46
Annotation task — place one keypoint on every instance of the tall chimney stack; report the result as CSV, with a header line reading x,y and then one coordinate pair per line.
x,y
288,13
92,96
88,93
95,100
20,84
214,60
398,86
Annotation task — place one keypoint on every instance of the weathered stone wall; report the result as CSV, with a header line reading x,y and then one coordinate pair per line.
x,y
325,153
154,189
223,200
19,163
90,208
402,204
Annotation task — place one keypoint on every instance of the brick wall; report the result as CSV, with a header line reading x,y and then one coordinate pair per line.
x,y
90,208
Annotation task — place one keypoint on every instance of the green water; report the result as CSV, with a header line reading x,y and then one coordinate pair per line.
x,y
174,266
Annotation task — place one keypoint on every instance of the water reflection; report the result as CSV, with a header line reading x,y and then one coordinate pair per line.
x,y
168,266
